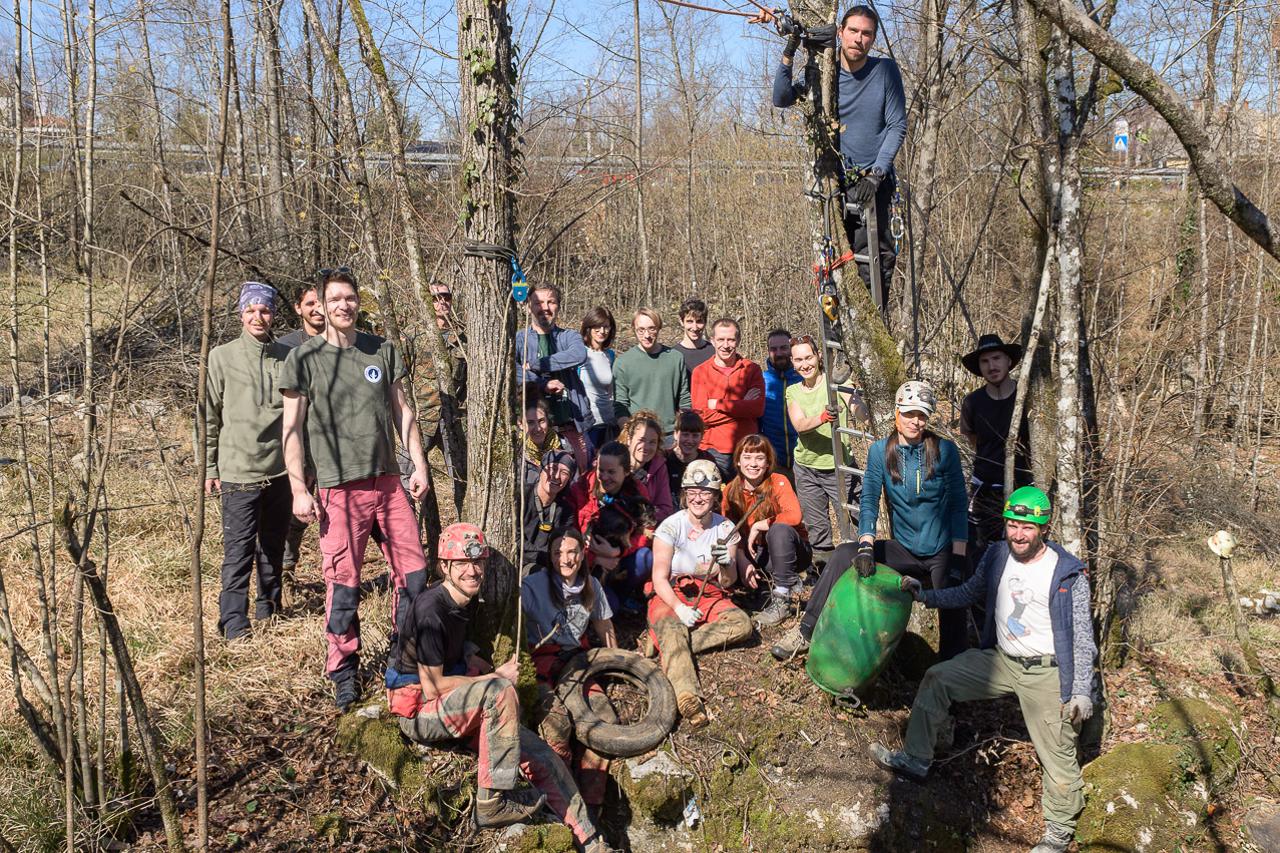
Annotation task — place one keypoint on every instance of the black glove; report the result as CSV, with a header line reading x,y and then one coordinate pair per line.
x,y
957,568
865,189
793,44
865,562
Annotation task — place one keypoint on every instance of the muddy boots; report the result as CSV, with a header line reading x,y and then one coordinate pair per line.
x,y
504,808
901,764
1057,837
778,609
345,693
792,643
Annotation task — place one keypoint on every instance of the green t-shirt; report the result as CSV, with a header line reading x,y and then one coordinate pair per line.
x,y
813,448
348,389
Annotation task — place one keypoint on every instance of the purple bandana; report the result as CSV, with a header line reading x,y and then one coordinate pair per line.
x,y
256,293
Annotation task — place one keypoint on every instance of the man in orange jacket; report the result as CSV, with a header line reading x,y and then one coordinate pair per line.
x,y
728,393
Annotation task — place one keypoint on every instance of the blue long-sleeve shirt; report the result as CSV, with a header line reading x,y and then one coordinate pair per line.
x,y
774,423
872,108
927,514
568,351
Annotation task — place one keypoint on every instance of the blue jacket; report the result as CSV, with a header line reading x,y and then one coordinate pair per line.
x,y
925,515
1069,613
774,424
562,364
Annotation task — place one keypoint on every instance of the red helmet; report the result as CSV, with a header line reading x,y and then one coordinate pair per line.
x,y
462,542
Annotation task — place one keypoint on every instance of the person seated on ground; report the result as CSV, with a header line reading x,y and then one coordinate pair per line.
x,y
540,437
643,437
440,692
685,447
620,555
776,538
1037,644
694,565
609,484
546,508
559,604
920,476
815,461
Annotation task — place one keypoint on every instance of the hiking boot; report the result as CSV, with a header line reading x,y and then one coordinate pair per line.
x,y
345,693
1057,837
504,808
900,763
792,643
778,609
692,711
597,844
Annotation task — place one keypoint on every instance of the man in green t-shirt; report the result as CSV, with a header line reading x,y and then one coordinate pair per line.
x,y
346,388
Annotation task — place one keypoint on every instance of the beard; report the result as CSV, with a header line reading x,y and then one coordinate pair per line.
x,y
1023,553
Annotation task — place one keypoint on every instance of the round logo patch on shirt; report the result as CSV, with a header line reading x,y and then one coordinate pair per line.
x,y
373,373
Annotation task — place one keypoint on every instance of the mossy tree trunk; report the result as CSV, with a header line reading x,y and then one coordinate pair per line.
x,y
872,352
489,120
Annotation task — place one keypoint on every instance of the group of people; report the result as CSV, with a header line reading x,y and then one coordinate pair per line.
x,y
660,483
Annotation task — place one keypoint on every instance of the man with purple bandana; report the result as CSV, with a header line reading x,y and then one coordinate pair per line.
x,y
245,462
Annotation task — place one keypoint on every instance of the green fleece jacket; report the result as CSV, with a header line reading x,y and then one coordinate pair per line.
x,y
245,411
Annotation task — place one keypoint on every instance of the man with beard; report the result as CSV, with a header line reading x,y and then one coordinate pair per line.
x,y
774,423
547,358
310,311
1048,662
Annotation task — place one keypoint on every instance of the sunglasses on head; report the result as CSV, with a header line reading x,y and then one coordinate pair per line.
x,y
805,339
323,275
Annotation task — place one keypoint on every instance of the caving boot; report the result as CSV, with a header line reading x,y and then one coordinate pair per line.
x,y
692,711
792,643
1057,837
345,693
778,609
504,808
900,763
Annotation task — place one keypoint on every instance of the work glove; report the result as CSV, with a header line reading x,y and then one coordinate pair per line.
x,y
793,44
687,615
829,414
865,562
720,553
1079,709
912,586
865,189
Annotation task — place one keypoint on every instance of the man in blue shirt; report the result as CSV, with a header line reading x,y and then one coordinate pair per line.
x,y
774,423
872,109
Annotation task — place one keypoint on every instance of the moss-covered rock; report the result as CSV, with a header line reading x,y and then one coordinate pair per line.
x,y
548,838
330,827
656,789
378,743
1205,733
1134,799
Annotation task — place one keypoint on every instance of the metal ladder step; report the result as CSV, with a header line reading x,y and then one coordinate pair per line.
x,y
852,507
855,433
834,345
843,389
857,472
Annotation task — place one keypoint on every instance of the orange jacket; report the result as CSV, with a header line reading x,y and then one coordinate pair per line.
x,y
731,418
784,498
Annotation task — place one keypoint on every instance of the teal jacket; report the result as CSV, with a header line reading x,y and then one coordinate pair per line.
x,y
925,515
245,411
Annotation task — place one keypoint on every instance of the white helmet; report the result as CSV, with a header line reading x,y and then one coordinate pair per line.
x,y
701,474
916,396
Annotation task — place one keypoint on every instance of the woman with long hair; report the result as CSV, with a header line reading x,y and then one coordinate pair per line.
x,y
608,484
694,565
598,332
920,475
540,437
643,438
776,537
815,462
560,604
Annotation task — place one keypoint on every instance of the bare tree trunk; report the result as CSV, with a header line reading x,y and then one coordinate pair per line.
x,y
638,131
487,72
276,135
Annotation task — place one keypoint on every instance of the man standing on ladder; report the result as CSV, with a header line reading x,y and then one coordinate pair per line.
x,y
872,111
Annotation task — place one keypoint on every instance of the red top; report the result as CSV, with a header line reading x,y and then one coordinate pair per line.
x,y
586,506
717,394
784,498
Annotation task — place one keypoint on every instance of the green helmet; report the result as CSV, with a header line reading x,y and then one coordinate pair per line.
x,y
1028,504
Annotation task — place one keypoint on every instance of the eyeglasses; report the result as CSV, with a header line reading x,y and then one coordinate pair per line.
x,y
1021,509
441,296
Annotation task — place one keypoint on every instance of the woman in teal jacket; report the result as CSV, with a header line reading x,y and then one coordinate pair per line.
x,y
923,484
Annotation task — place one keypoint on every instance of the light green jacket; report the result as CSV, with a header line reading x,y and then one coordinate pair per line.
x,y
245,411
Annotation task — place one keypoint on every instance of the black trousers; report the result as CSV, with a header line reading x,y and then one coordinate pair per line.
x,y
986,519
855,230
784,553
255,520
933,571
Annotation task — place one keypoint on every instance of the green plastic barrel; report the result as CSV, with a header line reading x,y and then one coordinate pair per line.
x,y
857,631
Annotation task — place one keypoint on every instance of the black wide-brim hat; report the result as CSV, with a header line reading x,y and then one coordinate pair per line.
x,y
991,343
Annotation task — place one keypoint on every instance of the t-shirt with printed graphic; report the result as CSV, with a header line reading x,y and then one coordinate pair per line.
x,y
1023,626
693,551
567,622
349,427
